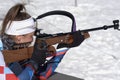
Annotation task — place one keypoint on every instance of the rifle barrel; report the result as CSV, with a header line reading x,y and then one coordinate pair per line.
x,y
98,28
115,26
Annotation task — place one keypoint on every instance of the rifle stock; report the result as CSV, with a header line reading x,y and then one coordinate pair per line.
x,y
17,55
26,53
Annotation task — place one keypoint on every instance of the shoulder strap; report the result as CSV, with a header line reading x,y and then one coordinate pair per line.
x,y
60,12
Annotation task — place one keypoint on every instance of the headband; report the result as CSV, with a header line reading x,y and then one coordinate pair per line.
x,y
20,27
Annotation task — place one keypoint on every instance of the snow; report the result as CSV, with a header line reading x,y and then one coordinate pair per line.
x,y
97,58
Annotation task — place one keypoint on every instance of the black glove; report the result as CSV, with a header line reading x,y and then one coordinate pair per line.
x,y
39,54
78,38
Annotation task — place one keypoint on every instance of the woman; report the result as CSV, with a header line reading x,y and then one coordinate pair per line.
x,y
18,29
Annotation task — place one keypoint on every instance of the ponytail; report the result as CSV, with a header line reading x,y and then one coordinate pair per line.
x,y
16,13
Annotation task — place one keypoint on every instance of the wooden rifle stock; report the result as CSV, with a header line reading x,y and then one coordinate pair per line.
x,y
26,53
17,55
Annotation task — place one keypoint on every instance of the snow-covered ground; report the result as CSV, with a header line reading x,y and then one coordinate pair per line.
x,y
97,58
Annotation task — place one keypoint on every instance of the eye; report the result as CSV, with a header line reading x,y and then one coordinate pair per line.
x,y
23,35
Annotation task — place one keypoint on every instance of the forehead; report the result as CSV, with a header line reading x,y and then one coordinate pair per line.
x,y
32,33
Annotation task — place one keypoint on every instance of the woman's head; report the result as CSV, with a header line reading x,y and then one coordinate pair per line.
x,y
18,24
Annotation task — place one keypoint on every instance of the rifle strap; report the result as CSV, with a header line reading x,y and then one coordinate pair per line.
x,y
17,55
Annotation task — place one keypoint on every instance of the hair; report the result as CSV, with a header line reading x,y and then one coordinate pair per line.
x,y
16,13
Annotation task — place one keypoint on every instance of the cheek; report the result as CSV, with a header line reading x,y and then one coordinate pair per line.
x,y
29,39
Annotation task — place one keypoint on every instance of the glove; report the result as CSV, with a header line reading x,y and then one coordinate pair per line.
x,y
39,54
78,38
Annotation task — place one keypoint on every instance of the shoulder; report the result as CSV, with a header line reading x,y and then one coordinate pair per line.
x,y
1,56
1,44
2,62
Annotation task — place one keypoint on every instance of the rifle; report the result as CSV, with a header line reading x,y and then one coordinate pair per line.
x,y
51,39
